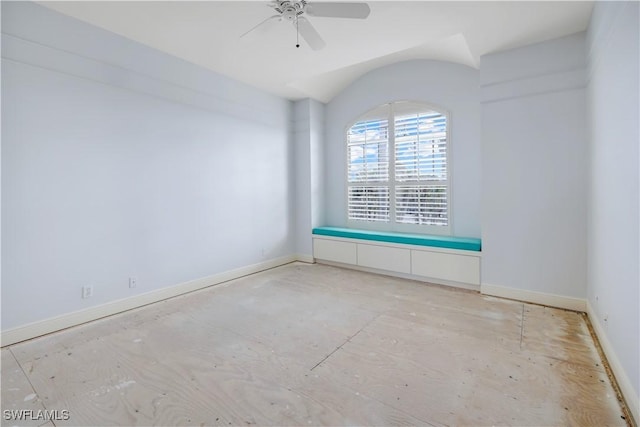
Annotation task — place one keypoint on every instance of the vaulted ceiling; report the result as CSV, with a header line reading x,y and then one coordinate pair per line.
x,y
207,33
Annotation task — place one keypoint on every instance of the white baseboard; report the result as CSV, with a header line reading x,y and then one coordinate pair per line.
x,y
628,392
305,258
42,327
551,300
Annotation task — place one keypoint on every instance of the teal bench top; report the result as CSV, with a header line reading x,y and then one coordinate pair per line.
x,y
449,242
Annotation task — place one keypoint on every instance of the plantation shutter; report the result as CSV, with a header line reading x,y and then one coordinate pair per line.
x,y
397,168
421,168
368,166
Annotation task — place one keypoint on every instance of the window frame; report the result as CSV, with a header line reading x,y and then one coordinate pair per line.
x,y
392,225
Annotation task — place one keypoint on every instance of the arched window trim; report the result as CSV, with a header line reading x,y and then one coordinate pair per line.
x,y
393,184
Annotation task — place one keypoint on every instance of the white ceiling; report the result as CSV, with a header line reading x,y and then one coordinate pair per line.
x,y
207,33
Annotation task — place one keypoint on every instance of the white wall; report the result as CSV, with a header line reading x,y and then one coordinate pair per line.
x,y
534,151
613,248
119,161
308,140
451,86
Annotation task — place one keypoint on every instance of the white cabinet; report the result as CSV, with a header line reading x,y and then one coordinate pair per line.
x,y
447,266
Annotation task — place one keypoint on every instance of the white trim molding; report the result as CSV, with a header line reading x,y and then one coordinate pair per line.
x,y
309,259
628,392
53,324
551,300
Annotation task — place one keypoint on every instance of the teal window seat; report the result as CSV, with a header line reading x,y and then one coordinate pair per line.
x,y
448,242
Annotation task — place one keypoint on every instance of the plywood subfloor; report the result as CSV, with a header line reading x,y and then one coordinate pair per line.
x,y
318,345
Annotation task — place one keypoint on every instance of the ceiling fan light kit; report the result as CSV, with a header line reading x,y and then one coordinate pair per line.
x,y
294,11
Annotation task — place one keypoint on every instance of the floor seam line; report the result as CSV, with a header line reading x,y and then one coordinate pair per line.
x,y
346,341
28,380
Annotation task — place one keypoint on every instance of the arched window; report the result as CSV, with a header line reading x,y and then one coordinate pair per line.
x,y
398,169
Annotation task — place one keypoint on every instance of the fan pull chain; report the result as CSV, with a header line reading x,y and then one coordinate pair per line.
x,y
297,33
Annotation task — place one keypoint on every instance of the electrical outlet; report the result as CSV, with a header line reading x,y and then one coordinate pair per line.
x,y
87,291
133,282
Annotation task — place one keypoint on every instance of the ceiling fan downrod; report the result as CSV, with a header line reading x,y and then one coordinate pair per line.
x,y
290,11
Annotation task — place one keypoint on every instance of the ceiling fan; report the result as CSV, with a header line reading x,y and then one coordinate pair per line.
x,y
294,11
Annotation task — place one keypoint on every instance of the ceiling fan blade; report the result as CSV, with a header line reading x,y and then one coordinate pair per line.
x,y
263,27
309,33
338,10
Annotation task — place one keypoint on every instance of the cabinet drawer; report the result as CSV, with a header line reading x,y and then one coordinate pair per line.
x,y
384,258
331,250
456,268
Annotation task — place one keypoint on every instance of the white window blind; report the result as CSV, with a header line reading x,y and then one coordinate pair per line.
x,y
421,204
368,146
397,168
368,151
369,203
421,147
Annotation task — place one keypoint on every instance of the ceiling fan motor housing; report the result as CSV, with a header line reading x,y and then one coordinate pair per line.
x,y
290,10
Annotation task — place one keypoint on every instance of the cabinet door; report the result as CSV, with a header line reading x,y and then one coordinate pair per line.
x,y
333,250
384,258
446,266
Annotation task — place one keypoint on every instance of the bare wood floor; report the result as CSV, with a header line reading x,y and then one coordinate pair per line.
x,y
317,345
